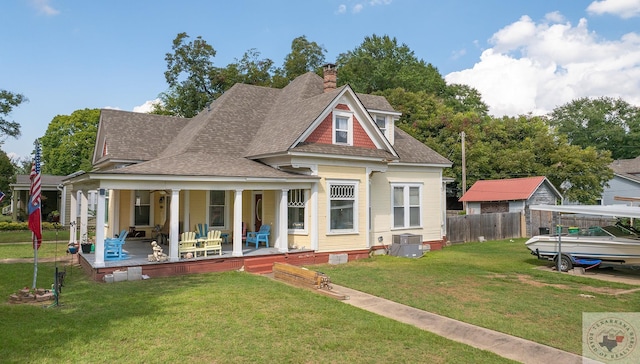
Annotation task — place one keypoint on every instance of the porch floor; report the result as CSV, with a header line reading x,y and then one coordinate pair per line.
x,y
139,251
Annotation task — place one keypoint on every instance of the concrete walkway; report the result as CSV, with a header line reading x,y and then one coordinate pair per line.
x,y
507,346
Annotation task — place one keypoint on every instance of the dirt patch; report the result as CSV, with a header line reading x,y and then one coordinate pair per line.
x,y
526,279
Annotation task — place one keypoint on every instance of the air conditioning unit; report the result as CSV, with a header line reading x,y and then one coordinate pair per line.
x,y
406,239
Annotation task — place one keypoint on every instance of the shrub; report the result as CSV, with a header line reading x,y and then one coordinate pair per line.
x,y
19,226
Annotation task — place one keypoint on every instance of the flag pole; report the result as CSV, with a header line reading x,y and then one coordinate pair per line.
x,y
35,260
35,212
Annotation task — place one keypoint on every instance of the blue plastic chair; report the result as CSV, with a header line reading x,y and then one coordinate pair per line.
x,y
113,247
261,235
203,231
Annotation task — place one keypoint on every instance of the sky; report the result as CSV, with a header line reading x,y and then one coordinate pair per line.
x,y
524,56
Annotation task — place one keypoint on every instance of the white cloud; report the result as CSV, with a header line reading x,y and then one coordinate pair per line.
x,y
459,53
147,107
43,7
358,7
380,2
622,8
535,67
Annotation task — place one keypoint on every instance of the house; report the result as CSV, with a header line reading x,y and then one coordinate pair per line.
x,y
625,184
324,166
51,187
513,195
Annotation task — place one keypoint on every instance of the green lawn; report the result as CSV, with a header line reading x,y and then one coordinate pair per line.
x,y
231,317
494,285
236,317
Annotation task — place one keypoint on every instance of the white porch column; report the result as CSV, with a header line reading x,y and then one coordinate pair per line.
x,y
73,218
282,239
174,227
237,224
185,218
313,229
99,242
84,215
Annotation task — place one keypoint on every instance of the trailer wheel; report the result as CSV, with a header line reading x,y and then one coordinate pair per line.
x,y
566,263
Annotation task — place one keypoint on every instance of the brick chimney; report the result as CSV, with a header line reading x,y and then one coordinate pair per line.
x,y
330,76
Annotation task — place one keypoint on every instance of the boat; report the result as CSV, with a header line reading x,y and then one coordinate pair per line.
x,y
614,245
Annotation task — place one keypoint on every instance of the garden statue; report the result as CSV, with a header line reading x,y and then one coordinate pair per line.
x,y
158,255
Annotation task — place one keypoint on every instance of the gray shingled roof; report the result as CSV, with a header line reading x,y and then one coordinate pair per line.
x,y
46,180
628,168
204,164
244,123
410,150
136,136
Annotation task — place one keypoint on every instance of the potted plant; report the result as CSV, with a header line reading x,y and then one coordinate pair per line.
x,y
54,216
85,244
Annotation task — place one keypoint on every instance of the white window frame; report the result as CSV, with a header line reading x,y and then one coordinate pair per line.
x,y
226,210
406,205
305,202
344,115
134,205
355,184
386,124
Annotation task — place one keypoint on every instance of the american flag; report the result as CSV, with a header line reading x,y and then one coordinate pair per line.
x,y
35,215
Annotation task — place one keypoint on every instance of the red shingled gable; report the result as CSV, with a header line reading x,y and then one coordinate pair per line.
x,y
503,189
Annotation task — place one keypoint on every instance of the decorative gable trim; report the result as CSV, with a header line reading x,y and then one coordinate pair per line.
x,y
364,131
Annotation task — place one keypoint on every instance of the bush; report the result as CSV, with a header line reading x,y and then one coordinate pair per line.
x,y
19,226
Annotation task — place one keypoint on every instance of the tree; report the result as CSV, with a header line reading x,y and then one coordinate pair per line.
x,y
7,175
464,98
193,80
379,63
9,100
68,143
507,147
250,69
22,165
604,123
305,57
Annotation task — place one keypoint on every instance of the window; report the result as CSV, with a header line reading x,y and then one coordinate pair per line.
x,y
381,122
92,202
217,209
142,208
343,213
296,209
342,126
406,206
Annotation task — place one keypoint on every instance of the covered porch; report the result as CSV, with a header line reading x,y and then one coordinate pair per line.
x,y
259,261
142,208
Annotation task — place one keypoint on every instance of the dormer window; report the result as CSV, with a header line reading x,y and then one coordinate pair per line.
x,y
381,122
342,128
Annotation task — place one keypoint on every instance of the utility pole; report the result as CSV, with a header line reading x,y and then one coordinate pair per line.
x,y
464,172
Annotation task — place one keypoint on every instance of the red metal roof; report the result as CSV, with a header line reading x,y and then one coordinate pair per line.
x,y
503,189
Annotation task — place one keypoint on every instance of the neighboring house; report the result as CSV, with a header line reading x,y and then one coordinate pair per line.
x,y
512,195
324,166
625,183
51,187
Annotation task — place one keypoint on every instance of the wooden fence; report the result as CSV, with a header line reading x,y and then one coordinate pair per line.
x,y
508,225
496,226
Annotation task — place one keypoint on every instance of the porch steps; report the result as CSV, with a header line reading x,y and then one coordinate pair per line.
x,y
262,265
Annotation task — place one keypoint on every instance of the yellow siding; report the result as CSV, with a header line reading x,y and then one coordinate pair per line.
x,y
125,210
269,208
327,242
198,205
382,215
